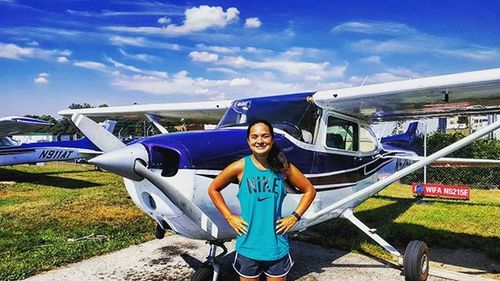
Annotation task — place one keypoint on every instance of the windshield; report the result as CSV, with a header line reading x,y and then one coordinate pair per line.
x,y
5,142
296,116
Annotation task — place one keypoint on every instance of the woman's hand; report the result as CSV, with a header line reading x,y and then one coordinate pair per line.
x,y
285,224
238,224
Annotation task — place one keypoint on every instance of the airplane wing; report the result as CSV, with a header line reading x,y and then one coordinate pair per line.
x,y
207,112
12,125
465,93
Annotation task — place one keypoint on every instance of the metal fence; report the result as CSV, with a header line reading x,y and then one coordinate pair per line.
x,y
474,177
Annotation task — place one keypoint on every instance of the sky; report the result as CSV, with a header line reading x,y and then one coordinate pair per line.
x,y
117,52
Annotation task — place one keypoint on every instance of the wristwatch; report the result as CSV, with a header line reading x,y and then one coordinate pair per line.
x,y
297,216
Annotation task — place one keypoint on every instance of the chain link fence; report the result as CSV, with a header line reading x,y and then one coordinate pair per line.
x,y
474,177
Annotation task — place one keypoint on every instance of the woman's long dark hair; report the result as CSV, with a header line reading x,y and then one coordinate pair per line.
x,y
276,159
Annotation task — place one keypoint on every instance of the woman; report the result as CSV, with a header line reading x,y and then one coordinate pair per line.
x,y
262,243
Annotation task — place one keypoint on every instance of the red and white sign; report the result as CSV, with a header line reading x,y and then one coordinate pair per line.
x,y
441,190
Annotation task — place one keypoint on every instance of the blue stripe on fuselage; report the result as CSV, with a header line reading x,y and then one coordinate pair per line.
x,y
82,143
216,149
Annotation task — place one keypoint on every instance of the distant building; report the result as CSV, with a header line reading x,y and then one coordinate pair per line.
x,y
481,121
33,137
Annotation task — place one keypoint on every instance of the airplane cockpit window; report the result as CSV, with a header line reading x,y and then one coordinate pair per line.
x,y
4,142
367,141
308,123
342,134
296,116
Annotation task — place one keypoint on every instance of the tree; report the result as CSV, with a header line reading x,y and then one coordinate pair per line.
x,y
80,106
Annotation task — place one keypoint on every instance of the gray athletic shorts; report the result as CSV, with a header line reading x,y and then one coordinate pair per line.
x,y
250,268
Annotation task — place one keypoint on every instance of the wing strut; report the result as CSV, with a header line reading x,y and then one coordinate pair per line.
x,y
156,121
371,232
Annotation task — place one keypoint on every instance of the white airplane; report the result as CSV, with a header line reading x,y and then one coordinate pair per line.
x,y
326,134
12,153
12,125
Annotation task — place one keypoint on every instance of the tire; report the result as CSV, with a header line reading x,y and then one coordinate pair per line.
x,y
416,261
204,273
159,232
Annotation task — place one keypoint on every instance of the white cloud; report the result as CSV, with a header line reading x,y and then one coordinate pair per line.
x,y
426,45
62,59
387,28
390,74
306,70
131,68
253,23
141,42
224,70
41,78
403,39
240,82
179,84
33,43
219,49
371,59
91,65
164,20
140,57
13,51
204,17
203,56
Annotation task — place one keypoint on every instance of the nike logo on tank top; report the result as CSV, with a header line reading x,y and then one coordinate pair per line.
x,y
261,195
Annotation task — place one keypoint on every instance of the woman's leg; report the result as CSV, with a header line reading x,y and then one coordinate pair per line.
x,y
249,279
282,278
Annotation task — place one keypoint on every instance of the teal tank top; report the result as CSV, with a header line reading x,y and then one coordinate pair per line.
x,y
261,195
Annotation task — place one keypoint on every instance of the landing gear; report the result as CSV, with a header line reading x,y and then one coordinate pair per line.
x,y
161,229
159,232
416,261
204,273
209,271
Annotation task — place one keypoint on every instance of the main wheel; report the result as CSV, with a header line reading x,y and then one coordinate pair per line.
x,y
416,261
204,273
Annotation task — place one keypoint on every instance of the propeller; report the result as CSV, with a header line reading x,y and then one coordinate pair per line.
x,y
131,162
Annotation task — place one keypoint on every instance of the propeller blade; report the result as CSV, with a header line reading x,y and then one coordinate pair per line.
x,y
182,203
103,139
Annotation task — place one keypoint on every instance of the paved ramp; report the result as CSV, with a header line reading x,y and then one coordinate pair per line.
x,y
176,258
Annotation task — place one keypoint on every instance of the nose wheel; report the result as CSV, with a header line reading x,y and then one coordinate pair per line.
x,y
209,271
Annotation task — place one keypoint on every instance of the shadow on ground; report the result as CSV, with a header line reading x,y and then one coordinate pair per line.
x,y
466,249
305,262
45,179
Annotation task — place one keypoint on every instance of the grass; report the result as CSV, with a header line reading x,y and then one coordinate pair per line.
x,y
399,218
49,205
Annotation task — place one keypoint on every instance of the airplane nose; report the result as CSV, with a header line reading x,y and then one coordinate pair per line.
x,y
122,161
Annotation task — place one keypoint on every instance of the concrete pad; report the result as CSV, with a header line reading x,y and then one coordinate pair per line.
x,y
176,258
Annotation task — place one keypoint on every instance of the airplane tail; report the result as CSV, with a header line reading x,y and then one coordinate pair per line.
x,y
412,139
